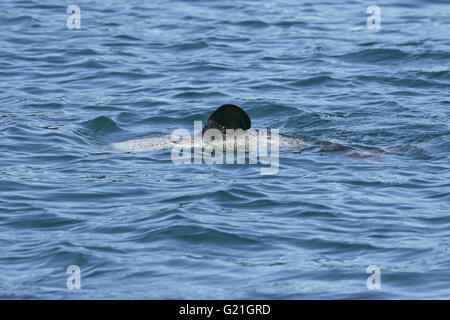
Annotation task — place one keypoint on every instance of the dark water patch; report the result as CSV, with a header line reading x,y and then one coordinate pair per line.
x,y
38,5
99,130
442,75
132,75
269,87
101,108
197,45
198,95
401,82
90,64
290,24
207,67
45,106
101,124
375,55
227,39
197,235
81,52
42,222
25,19
307,120
266,109
253,24
127,37
317,81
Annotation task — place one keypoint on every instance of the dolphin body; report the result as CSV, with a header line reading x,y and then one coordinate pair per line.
x,y
230,116
227,116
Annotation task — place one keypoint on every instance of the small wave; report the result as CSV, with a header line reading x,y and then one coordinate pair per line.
x,y
375,55
251,24
401,82
127,37
319,80
100,130
188,46
193,94
101,123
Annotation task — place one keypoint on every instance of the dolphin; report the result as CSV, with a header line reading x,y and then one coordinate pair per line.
x,y
230,116
227,116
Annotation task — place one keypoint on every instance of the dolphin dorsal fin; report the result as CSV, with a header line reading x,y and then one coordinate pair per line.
x,y
228,116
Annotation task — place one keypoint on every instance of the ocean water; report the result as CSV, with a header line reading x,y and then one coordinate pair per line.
x,y
368,186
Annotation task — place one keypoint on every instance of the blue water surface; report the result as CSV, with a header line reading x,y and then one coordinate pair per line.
x,y
140,227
